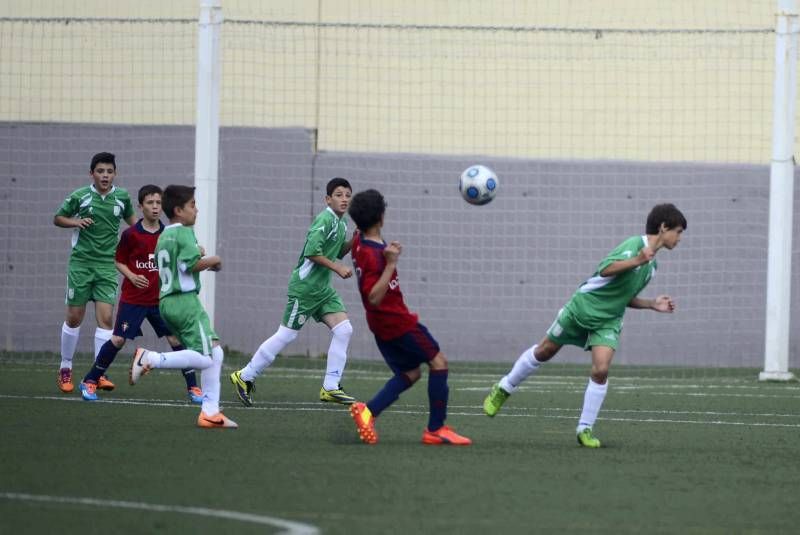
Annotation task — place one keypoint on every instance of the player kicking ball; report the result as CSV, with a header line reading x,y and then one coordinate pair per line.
x,y
592,318
180,261
135,259
404,342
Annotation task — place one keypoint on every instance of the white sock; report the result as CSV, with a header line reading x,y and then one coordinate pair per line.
x,y
209,382
101,336
525,366
337,354
592,401
267,351
69,341
185,358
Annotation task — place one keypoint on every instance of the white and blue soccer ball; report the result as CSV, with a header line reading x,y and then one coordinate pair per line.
x,y
478,184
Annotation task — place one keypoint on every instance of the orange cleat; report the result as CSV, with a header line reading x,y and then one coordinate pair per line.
x,y
104,384
216,421
65,380
444,436
365,422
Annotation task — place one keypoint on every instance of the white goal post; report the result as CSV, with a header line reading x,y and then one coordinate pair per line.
x,y
779,269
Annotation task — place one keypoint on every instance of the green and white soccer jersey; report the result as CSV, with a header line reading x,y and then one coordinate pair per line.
x,y
98,241
310,291
177,253
91,275
593,316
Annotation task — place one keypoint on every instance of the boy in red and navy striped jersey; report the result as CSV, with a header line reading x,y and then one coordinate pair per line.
x,y
139,299
404,342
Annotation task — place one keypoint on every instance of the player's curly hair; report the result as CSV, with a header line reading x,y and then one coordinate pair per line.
x,y
175,196
664,213
366,208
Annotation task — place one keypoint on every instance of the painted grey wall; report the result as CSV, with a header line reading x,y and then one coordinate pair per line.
x,y
487,280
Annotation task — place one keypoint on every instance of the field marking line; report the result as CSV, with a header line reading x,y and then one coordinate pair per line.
x,y
299,407
290,527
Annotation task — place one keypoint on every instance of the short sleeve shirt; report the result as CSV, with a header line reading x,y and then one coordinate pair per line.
x,y
326,237
136,249
177,253
98,241
391,318
600,299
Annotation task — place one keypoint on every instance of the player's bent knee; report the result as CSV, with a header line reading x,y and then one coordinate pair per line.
x,y
118,341
344,328
412,376
439,362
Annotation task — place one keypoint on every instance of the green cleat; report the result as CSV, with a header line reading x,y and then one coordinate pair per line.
x,y
587,440
244,389
494,400
336,396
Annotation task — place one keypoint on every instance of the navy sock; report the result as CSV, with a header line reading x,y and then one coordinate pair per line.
x,y
438,392
188,373
108,352
389,393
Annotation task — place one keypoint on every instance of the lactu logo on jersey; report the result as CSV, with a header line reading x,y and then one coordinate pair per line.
x,y
150,265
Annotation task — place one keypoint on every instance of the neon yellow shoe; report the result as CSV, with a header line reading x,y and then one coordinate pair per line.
x,y
336,396
244,389
494,400
365,423
587,440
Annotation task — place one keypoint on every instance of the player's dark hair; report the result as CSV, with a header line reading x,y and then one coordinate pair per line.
x,y
103,157
335,183
149,189
175,196
366,208
664,213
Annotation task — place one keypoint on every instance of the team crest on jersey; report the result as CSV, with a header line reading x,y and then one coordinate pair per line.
x,y
124,326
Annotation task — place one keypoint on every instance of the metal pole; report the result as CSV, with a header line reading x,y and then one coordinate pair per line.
x,y
206,151
781,177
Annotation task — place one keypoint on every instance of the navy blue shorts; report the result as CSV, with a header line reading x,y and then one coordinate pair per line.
x,y
408,351
130,318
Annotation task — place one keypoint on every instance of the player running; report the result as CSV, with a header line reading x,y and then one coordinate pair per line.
x,y
135,259
592,318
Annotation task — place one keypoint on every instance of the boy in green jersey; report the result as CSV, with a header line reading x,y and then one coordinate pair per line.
x,y
93,212
312,296
180,261
592,318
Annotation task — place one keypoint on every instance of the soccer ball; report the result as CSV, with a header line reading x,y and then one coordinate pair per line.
x,y
478,184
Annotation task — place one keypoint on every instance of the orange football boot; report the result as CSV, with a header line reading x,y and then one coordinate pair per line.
x,y
365,422
104,384
444,435
65,380
216,421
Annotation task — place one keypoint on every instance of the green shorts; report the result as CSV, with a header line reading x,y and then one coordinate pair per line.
x,y
566,330
186,318
300,308
91,283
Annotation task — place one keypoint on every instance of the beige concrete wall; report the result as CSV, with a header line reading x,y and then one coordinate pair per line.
x,y
628,95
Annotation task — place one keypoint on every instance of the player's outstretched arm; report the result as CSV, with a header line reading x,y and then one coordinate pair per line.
x,y
340,269
662,303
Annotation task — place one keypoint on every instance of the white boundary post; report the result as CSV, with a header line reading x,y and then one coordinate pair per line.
x,y
206,150
781,196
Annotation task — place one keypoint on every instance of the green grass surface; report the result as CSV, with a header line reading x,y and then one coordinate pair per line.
x,y
685,451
